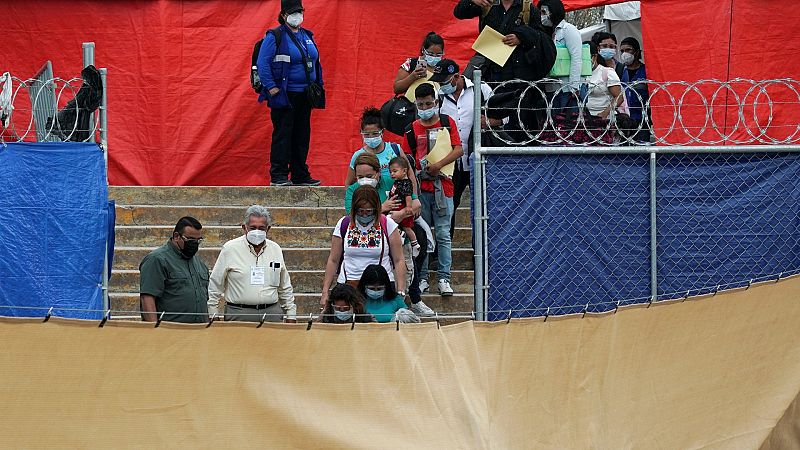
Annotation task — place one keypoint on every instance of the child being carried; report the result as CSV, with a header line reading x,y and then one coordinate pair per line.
x,y
402,188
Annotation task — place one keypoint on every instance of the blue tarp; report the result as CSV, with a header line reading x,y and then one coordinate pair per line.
x,y
569,231
53,228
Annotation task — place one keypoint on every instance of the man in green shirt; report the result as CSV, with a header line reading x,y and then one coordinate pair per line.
x,y
173,280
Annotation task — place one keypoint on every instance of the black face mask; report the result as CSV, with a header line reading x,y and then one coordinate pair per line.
x,y
189,249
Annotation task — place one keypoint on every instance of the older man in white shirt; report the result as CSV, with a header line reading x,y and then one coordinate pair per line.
x,y
457,98
251,275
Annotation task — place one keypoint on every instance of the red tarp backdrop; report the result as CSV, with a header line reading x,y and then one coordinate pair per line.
x,y
181,111
695,40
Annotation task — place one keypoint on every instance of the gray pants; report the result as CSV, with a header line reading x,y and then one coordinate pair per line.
x,y
407,255
235,313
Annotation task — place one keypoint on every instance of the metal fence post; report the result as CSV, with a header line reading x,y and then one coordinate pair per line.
x,y
478,228
653,231
104,147
88,54
88,60
104,115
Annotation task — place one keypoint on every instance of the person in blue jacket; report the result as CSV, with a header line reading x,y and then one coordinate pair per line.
x,y
634,77
288,63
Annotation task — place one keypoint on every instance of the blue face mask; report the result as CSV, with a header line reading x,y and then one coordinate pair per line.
x,y
366,220
607,53
447,89
373,142
427,114
344,316
375,294
432,60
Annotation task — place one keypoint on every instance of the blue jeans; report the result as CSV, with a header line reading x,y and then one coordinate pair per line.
x,y
440,222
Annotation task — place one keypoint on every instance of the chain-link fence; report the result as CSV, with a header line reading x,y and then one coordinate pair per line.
x,y
573,227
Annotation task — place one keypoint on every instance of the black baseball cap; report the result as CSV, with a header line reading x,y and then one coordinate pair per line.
x,y
445,69
291,6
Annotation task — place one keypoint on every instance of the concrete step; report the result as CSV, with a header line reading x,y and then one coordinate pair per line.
x,y
309,303
300,216
303,281
271,196
215,236
228,195
128,258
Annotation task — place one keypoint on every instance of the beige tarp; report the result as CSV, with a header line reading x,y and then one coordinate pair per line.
x,y
713,372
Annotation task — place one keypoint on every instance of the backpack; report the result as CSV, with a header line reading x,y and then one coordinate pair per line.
x,y
255,80
412,140
345,225
542,55
399,112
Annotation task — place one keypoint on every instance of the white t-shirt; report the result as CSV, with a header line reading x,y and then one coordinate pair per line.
x,y
362,247
599,97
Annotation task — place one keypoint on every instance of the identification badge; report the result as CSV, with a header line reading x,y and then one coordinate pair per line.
x,y
257,275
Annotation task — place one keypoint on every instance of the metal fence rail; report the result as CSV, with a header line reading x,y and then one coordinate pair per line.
x,y
587,226
705,112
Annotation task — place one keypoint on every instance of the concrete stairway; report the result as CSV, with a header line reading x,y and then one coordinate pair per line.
x,y
303,218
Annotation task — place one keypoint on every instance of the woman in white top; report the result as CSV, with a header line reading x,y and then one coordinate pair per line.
x,y
364,237
604,87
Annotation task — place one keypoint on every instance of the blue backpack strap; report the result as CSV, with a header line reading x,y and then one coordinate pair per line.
x,y
398,151
276,33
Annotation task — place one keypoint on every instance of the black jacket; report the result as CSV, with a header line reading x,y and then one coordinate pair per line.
x,y
505,22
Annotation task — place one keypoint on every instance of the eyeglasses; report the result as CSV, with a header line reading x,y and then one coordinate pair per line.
x,y
434,55
369,134
365,211
611,46
188,239
425,105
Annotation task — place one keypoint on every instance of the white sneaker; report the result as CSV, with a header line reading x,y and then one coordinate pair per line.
x,y
421,309
444,288
423,285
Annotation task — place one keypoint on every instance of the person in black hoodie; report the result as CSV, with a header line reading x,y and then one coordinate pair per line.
x,y
506,18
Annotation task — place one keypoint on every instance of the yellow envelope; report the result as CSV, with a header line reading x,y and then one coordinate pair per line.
x,y
440,150
410,92
490,44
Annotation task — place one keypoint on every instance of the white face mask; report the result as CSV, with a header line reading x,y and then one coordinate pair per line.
x,y
256,237
626,58
294,19
365,181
